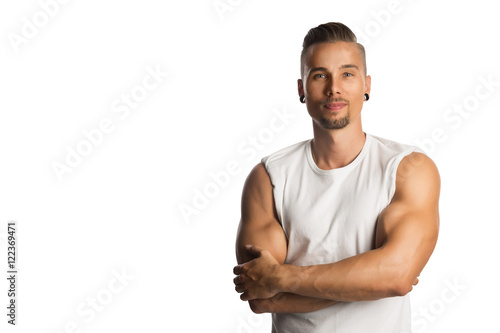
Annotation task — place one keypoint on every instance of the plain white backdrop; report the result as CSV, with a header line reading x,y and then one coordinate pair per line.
x,y
158,98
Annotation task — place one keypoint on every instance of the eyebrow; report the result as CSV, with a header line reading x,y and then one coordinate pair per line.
x,y
316,69
349,66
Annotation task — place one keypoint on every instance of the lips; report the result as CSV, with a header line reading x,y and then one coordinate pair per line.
x,y
335,106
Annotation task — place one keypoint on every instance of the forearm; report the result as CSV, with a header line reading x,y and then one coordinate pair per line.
x,y
369,276
289,303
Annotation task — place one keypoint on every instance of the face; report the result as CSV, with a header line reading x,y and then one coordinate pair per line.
x,y
334,84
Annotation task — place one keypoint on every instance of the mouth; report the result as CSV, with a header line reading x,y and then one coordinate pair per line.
x,y
335,106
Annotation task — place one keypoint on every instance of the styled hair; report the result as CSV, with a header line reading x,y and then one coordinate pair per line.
x,y
329,33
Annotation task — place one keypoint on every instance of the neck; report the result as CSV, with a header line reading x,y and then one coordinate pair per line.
x,y
334,149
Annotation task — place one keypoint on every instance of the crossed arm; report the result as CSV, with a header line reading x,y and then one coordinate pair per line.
x,y
259,226
406,235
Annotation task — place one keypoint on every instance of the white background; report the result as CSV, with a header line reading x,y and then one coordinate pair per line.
x,y
229,71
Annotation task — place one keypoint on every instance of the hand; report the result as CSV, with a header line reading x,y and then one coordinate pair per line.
x,y
258,278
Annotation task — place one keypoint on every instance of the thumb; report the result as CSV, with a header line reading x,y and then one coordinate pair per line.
x,y
254,250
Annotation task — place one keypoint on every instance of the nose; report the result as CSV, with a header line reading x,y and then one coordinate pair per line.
x,y
332,87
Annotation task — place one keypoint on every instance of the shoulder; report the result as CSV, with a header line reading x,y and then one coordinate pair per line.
x,y
416,199
258,187
285,155
390,147
257,177
389,154
417,179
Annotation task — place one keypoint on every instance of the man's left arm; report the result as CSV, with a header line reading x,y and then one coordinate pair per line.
x,y
407,232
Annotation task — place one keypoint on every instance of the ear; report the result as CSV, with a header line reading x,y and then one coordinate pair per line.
x,y
368,84
300,87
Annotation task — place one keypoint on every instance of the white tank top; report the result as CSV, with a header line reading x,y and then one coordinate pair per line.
x,y
330,215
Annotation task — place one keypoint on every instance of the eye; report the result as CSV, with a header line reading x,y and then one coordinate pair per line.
x,y
319,76
348,74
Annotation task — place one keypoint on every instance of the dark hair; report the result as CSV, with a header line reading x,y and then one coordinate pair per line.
x,y
329,33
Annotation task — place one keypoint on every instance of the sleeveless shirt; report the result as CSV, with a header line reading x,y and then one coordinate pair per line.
x,y
330,215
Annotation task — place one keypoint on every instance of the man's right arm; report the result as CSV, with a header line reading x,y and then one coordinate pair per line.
x,y
259,226
259,223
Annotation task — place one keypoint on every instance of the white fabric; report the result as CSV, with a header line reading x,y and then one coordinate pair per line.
x,y
329,215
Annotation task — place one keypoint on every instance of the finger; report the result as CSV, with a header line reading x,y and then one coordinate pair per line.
x,y
239,288
244,297
238,269
254,250
238,279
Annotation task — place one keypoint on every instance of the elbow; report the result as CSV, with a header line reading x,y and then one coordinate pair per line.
x,y
402,288
400,277
402,285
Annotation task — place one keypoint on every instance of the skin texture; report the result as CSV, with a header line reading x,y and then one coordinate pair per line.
x,y
407,229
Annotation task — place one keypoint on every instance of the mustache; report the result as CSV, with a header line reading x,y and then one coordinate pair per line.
x,y
335,100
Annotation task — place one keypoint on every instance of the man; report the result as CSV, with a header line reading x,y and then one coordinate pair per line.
x,y
335,231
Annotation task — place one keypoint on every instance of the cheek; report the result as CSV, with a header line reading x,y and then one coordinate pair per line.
x,y
356,105
313,88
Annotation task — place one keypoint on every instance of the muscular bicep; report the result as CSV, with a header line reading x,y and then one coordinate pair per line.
x,y
407,229
259,224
